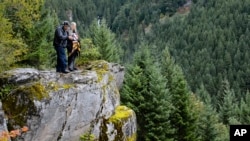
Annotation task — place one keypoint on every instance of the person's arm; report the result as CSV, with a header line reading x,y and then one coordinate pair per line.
x,y
78,38
61,36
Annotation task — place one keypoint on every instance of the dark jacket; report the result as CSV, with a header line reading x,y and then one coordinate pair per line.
x,y
60,37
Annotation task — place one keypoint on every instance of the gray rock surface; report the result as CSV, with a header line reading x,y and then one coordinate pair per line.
x,y
3,124
69,106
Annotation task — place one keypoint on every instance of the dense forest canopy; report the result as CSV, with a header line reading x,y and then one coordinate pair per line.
x,y
188,60
211,44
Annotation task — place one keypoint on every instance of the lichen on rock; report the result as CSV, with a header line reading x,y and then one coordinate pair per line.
x,y
123,122
121,113
101,67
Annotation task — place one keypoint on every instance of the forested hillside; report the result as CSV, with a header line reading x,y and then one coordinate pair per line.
x,y
211,45
128,19
187,69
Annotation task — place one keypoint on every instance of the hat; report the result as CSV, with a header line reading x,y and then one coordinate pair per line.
x,y
66,23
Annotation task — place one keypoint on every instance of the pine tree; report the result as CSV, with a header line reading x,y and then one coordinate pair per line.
x,y
144,91
244,111
229,105
209,121
104,39
43,54
183,118
203,95
218,99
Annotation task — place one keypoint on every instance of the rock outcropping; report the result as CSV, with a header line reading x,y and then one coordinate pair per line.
x,y
82,105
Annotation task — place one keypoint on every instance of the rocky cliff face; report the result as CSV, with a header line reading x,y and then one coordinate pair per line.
x,y
82,105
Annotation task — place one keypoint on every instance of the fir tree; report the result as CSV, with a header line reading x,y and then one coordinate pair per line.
x,y
209,121
145,91
244,111
229,104
105,41
182,117
42,54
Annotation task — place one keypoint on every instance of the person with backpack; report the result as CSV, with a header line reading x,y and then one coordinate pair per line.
x,y
73,47
60,42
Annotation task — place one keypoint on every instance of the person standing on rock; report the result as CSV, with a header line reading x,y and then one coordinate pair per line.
x,y
73,47
60,42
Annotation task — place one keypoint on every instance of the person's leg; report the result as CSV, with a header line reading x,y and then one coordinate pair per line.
x,y
62,59
58,69
70,62
73,60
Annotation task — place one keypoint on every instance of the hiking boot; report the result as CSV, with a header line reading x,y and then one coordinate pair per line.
x,y
65,71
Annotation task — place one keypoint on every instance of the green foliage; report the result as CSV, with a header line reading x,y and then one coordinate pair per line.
x,y
144,91
12,48
5,91
42,54
87,137
88,52
204,95
130,20
244,111
209,126
228,106
183,117
105,41
23,14
83,12
28,31
210,43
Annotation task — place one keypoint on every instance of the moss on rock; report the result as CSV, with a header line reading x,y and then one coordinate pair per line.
x,y
132,138
20,103
52,86
67,86
121,116
100,64
36,91
101,67
121,113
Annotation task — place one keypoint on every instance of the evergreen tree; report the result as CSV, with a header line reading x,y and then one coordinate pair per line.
x,y
42,54
183,118
12,48
209,121
244,111
105,41
218,99
145,91
203,95
228,107
210,43
35,25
